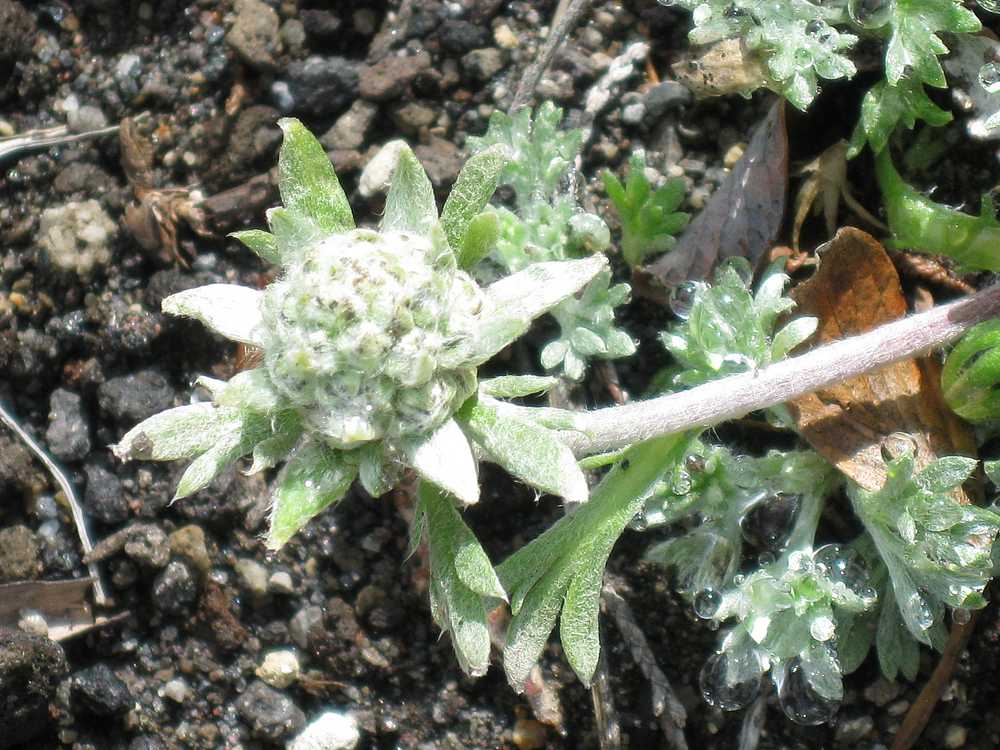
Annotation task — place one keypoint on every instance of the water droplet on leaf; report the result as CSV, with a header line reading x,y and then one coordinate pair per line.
x,y
800,702
870,14
961,616
822,628
898,444
770,519
694,463
707,603
682,298
730,681
989,77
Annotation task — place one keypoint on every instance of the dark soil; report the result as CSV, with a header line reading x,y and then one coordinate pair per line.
x,y
85,353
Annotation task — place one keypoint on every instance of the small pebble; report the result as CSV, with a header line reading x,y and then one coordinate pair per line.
x,y
302,623
331,730
176,690
33,622
955,737
253,576
280,668
281,582
270,714
174,588
98,691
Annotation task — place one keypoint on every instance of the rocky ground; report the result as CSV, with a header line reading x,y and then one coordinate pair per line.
x,y
223,645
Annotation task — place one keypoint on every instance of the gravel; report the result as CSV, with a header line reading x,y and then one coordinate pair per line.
x,y
31,667
99,692
270,714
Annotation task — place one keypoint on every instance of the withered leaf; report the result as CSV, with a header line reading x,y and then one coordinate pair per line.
x,y
742,217
855,289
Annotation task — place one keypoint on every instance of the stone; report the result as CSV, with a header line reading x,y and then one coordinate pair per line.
x,y
97,691
129,399
176,690
76,237
68,433
458,37
665,97
293,35
389,77
81,177
350,129
882,692
188,542
253,576
852,729
87,117
281,582
320,24
482,64
17,33
174,588
303,623
31,668
280,668
322,86
331,730
412,117
20,554
955,736
103,497
378,171
254,34
270,714
632,114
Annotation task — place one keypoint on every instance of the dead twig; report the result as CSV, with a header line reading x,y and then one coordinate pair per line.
x,y
14,146
561,26
667,708
62,481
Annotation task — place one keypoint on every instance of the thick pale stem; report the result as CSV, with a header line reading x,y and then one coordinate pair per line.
x,y
615,427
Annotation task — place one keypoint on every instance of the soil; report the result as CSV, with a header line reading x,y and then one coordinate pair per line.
x,y
85,354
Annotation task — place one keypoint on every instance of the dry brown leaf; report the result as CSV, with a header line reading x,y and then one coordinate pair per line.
x,y
742,217
855,289
63,604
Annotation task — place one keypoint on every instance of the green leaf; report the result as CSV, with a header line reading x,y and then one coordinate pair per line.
x,y
307,181
578,624
464,584
294,232
445,458
527,451
181,432
946,473
471,193
793,334
855,635
885,107
538,577
515,301
314,478
262,243
480,238
897,651
228,309
268,453
239,432
409,205
516,386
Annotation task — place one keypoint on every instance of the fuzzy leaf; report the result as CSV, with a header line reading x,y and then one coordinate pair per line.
x,y
578,626
463,578
445,458
181,432
294,232
793,334
230,310
286,430
314,478
516,386
897,651
539,575
481,236
241,430
526,450
264,244
471,192
515,301
946,473
307,181
409,206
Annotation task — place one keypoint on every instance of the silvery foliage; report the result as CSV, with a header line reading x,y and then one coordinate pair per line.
x,y
548,224
370,341
786,615
802,42
727,328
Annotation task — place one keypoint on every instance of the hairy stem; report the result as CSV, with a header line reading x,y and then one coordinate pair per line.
x,y
612,428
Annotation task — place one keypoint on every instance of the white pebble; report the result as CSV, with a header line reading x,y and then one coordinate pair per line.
x,y
176,690
281,583
253,576
328,731
280,668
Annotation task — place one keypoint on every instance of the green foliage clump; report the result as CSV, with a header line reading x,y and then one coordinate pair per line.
x,y
802,42
971,374
548,224
649,218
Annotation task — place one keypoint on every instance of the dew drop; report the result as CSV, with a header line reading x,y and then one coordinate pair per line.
x,y
803,59
822,628
701,14
919,611
842,566
682,298
870,14
898,444
682,482
800,561
765,558
800,702
961,616
730,681
741,267
707,603
770,519
989,77
640,521
694,463
814,27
